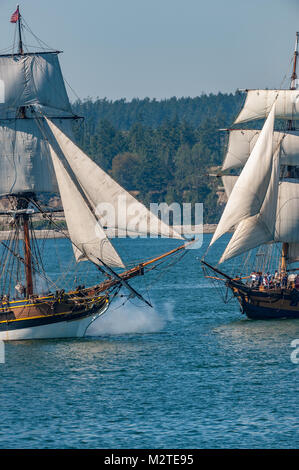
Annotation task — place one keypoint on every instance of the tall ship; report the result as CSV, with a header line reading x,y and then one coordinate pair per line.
x,y
39,159
260,174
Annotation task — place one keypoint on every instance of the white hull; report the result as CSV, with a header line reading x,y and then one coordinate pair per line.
x,y
65,329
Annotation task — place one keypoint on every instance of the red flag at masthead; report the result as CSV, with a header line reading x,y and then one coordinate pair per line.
x,y
15,16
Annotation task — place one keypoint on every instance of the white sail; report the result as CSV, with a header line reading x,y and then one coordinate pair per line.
x,y
229,182
25,160
241,143
87,235
287,220
259,228
240,146
293,253
33,80
105,194
250,189
258,104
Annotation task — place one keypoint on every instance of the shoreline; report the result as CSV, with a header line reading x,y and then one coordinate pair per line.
x,y
40,234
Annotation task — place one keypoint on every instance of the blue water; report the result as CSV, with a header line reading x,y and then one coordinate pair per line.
x,y
191,373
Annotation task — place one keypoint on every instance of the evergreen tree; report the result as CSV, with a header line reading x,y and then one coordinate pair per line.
x,y
163,149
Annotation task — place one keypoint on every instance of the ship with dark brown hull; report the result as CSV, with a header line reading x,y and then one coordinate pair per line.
x,y
260,303
260,176
39,160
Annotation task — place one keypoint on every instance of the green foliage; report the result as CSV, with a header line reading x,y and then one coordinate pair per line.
x,y
161,149
126,170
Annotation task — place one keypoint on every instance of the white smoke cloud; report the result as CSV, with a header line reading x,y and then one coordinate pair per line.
x,y
130,318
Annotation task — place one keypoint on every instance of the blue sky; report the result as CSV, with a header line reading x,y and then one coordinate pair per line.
x,y
163,48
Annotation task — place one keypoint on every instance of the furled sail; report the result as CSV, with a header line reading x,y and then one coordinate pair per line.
x,y
241,143
25,160
250,189
33,80
258,104
87,235
115,207
259,228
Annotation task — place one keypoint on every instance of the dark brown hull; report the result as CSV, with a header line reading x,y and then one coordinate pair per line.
x,y
267,303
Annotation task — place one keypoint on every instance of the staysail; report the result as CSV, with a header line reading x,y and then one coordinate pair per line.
x,y
251,187
126,213
283,214
87,235
259,228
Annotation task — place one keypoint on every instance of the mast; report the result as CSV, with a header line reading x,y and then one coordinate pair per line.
x,y
294,74
25,217
21,50
28,260
293,86
22,110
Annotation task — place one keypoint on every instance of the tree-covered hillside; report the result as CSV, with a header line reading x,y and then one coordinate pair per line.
x,y
161,149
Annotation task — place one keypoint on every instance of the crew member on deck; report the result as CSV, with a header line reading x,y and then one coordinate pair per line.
x,y
20,289
291,280
284,281
253,277
265,281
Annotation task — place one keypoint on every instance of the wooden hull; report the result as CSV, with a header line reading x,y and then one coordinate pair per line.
x,y
266,304
50,317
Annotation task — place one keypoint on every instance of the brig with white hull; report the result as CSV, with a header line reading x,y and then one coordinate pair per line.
x,y
49,317
39,162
